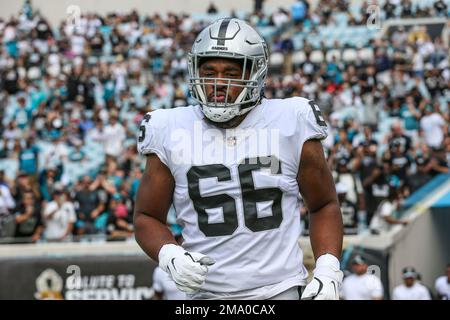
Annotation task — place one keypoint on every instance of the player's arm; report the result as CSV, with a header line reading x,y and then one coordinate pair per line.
x,y
153,199
326,230
318,190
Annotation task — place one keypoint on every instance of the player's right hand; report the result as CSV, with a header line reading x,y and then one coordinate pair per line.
x,y
187,269
327,280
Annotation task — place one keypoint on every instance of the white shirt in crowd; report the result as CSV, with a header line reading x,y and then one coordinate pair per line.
x,y
115,139
353,183
378,222
77,42
96,134
6,200
416,292
363,287
56,226
163,283
56,153
442,287
432,126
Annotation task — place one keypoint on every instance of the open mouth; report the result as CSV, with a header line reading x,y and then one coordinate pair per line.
x,y
218,97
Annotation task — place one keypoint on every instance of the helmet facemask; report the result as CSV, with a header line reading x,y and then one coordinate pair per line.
x,y
251,88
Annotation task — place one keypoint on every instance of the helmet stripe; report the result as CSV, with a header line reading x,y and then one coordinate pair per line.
x,y
223,32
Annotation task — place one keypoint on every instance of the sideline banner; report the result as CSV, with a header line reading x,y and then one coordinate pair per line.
x,y
77,278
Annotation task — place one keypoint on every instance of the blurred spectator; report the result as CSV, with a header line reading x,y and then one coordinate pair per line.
x,y
348,210
419,281
287,48
398,138
299,11
441,7
24,183
438,162
77,155
97,134
258,6
29,158
135,180
420,177
114,137
355,192
442,285
385,215
407,9
28,218
57,153
23,114
211,9
6,206
119,225
433,127
399,162
101,183
410,289
361,285
59,217
389,7
48,180
373,176
90,204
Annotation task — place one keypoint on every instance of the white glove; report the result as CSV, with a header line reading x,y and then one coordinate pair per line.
x,y
187,269
327,280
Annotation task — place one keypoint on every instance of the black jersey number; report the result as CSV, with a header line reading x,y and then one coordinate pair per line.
x,y
317,113
250,197
141,137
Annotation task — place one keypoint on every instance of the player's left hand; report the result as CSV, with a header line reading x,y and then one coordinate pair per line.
x,y
327,280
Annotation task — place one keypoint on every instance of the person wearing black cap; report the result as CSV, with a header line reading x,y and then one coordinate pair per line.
x,y
410,289
421,177
438,161
400,161
361,285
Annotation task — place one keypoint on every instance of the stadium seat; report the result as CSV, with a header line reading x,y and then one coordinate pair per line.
x,y
10,167
276,59
298,57
206,17
333,53
366,54
317,56
349,55
267,31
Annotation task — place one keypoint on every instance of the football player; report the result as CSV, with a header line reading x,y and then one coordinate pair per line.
x,y
236,195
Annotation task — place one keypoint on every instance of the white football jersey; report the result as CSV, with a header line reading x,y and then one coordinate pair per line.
x,y
236,190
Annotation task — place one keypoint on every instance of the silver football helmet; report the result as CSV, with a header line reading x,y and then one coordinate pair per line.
x,y
233,39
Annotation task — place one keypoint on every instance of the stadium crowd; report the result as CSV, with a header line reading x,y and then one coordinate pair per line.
x,y
72,98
